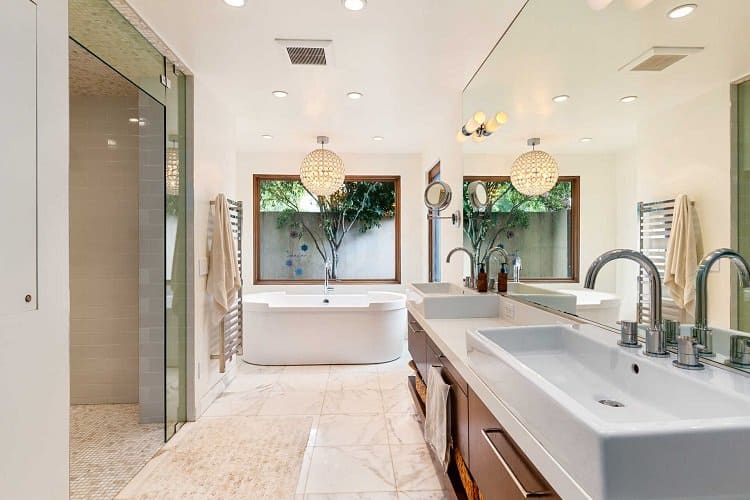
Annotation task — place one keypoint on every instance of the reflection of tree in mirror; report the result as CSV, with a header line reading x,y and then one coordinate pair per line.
x,y
364,203
509,210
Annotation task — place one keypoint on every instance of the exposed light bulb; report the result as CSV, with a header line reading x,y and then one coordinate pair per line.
x,y
461,138
495,122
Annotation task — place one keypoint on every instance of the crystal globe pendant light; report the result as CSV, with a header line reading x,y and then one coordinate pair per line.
x,y
322,171
534,173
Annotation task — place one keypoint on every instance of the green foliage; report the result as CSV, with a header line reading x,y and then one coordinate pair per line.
x,y
364,202
509,210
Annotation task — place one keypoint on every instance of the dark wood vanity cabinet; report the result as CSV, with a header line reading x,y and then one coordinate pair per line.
x,y
498,466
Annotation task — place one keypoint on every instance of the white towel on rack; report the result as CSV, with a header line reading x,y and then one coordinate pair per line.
x,y
223,272
681,261
437,416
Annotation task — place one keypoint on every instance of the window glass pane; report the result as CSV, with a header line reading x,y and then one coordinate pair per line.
x,y
355,229
536,229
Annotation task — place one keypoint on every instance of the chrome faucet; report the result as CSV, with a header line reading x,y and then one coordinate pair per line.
x,y
471,260
516,269
656,344
493,251
327,275
701,331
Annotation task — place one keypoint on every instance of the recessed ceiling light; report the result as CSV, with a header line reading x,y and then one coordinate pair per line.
x,y
280,93
561,98
235,3
354,4
267,137
586,139
377,138
354,95
682,11
629,98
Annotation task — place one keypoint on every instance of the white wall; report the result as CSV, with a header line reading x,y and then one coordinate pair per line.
x,y
413,266
686,149
214,172
34,375
597,205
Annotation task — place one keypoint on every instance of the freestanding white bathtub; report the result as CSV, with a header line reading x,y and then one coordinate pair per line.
x,y
281,329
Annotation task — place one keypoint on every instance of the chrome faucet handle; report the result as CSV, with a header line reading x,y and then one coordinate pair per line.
x,y
671,331
656,342
704,335
739,350
628,334
688,353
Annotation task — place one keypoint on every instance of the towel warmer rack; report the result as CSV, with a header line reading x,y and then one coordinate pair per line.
x,y
230,334
655,226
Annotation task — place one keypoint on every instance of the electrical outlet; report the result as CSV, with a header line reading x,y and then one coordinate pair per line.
x,y
509,310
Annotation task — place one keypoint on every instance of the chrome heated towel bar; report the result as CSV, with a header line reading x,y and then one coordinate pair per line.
x,y
655,223
230,334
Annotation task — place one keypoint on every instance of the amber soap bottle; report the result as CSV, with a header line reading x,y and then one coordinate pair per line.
x,y
482,279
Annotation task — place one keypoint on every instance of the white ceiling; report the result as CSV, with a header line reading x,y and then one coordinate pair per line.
x,y
410,59
565,47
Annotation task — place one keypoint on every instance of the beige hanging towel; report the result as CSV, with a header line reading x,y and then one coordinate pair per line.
x,y
223,271
437,421
681,262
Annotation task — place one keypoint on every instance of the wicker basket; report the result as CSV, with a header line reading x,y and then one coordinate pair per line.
x,y
421,388
470,487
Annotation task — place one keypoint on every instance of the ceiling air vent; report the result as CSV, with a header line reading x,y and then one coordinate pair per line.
x,y
307,52
659,58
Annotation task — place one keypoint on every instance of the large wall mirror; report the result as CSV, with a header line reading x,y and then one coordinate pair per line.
x,y
645,110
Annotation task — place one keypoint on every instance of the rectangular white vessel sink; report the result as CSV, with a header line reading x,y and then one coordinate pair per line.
x,y
623,425
450,301
556,300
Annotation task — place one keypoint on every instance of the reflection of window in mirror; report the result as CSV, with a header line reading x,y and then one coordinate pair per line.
x,y
433,233
542,230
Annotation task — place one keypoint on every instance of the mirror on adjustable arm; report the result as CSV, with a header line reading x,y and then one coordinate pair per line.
x,y
437,197
650,159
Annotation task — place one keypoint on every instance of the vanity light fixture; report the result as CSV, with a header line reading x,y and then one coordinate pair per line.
x,y
629,98
354,5
535,172
560,98
267,137
235,3
280,93
354,95
479,128
377,138
682,11
322,171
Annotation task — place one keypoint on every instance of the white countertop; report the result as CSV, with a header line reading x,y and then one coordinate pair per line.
x,y
449,335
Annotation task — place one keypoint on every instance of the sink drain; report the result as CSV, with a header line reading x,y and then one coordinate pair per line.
x,y
610,402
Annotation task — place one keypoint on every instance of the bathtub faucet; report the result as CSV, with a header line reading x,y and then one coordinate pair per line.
x,y
326,276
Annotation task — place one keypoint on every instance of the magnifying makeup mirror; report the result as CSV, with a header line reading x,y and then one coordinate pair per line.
x,y
478,195
437,195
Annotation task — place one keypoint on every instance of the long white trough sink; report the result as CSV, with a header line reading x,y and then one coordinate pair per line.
x,y
677,434
450,301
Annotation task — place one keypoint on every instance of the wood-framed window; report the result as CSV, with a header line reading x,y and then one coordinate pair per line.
x,y
433,234
357,229
544,231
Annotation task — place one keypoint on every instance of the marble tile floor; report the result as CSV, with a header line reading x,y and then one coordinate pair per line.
x,y
107,448
365,441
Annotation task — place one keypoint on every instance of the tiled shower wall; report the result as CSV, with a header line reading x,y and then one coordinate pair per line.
x,y
152,249
103,249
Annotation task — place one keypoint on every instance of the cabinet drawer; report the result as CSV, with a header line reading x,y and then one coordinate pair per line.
x,y
499,467
459,410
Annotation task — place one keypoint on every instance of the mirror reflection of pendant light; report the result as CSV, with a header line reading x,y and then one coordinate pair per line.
x,y
479,127
172,172
534,173
322,171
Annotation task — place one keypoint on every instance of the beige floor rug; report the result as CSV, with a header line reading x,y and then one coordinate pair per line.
x,y
227,458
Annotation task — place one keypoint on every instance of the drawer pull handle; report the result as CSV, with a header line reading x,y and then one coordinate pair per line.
x,y
526,493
